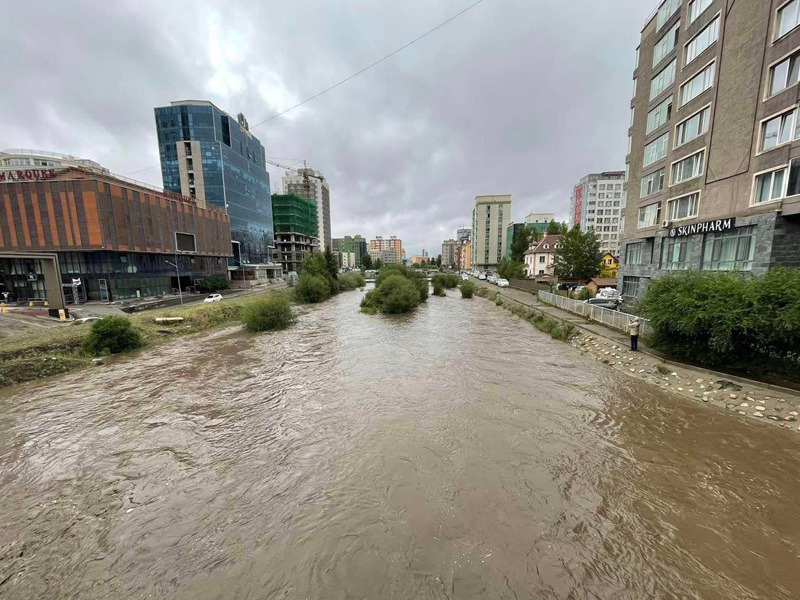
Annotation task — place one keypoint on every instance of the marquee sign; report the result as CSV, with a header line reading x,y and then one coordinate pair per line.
x,y
27,175
716,226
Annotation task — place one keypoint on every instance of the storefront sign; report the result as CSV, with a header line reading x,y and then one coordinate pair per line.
x,y
27,175
707,227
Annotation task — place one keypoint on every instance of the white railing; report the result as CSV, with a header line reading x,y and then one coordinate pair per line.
x,y
610,318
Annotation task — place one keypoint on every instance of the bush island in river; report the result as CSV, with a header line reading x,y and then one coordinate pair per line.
x,y
467,289
397,290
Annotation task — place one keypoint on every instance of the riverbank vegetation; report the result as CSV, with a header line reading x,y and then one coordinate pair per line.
x,y
268,314
555,329
397,290
750,324
467,289
112,335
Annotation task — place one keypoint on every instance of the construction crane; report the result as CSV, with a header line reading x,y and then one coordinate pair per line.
x,y
305,173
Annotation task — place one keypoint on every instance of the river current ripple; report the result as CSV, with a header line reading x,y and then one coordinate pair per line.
x,y
453,453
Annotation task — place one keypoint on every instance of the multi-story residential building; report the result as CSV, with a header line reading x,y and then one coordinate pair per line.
x,y
351,245
463,233
489,219
540,259
598,202
312,184
113,238
450,253
295,219
391,243
388,256
465,255
539,221
212,157
714,154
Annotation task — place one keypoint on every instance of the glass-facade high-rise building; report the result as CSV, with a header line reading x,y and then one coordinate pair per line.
x,y
208,155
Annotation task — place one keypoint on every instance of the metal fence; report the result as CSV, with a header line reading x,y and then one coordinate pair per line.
x,y
610,318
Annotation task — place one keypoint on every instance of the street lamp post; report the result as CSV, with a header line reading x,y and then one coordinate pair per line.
x,y
178,271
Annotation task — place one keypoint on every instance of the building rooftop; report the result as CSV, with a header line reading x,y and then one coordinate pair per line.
x,y
548,245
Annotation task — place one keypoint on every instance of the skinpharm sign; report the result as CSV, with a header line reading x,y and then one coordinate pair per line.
x,y
27,175
707,227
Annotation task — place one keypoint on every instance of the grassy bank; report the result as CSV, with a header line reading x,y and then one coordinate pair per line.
x,y
35,354
553,328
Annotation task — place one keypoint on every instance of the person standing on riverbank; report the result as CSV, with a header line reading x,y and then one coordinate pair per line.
x,y
633,328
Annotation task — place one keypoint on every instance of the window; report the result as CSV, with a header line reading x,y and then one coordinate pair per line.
x,y
684,207
652,183
541,258
656,150
701,42
778,130
698,84
669,8
634,87
675,254
788,18
630,286
649,215
659,115
630,144
784,74
663,80
697,8
636,59
688,168
693,127
780,183
729,250
666,44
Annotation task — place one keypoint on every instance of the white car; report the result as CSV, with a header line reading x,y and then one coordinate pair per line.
x,y
502,283
482,277
464,277
213,298
491,279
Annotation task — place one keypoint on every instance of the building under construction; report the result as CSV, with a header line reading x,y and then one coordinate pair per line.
x,y
296,232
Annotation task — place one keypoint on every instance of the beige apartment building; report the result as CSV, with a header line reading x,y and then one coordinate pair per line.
x,y
714,144
490,218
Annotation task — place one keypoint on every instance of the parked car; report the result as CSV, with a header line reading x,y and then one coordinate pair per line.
x,y
213,298
502,283
611,293
609,303
492,279
464,277
482,276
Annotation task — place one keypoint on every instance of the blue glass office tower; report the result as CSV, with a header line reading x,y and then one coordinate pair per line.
x,y
211,156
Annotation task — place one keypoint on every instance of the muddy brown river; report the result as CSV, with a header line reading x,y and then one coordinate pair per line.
x,y
454,453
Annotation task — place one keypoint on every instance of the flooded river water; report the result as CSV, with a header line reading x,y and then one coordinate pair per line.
x,y
454,453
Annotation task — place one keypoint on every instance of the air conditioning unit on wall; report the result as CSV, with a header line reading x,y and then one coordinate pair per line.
x,y
666,223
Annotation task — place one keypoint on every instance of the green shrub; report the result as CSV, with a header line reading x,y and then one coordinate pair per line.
x,y
351,281
213,284
467,289
317,264
727,319
268,314
438,288
312,288
395,294
112,335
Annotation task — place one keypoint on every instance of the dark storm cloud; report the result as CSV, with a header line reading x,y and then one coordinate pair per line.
x,y
520,97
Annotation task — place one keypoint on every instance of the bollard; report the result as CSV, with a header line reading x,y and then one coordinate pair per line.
x,y
62,315
46,303
30,303
4,310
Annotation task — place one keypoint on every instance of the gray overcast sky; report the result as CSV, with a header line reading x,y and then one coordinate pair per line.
x,y
516,96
